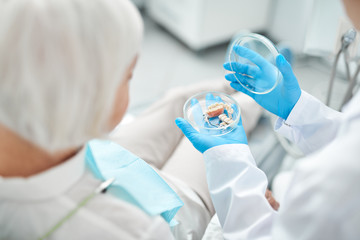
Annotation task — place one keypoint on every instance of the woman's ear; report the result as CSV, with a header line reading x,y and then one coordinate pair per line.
x,y
122,97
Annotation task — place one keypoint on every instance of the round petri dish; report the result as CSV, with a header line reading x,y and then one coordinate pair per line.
x,y
265,75
212,113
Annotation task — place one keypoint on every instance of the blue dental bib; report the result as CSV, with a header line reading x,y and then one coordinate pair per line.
x,y
136,182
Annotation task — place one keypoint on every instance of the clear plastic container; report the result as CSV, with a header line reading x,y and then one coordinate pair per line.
x,y
269,76
212,113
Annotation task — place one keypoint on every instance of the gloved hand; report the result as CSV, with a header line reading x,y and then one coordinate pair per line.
x,y
203,141
281,100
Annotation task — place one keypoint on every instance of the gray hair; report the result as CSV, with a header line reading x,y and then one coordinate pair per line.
x,y
61,62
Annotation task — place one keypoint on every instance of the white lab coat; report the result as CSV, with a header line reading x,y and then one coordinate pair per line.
x,y
323,198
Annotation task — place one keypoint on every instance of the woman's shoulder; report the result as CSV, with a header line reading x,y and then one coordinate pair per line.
x,y
126,218
102,217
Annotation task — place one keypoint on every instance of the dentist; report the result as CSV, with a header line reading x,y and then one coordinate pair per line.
x,y
322,201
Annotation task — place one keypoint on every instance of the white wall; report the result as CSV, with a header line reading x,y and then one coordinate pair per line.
x,y
309,26
290,19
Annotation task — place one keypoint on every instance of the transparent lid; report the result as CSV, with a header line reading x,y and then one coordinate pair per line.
x,y
212,113
252,60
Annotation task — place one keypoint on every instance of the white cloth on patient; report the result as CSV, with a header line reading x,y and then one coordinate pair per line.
x,y
30,207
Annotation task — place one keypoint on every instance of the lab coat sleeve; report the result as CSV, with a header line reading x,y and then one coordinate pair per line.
x,y
322,201
311,124
237,189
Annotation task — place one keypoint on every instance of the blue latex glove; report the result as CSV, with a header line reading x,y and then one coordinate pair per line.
x,y
203,141
281,100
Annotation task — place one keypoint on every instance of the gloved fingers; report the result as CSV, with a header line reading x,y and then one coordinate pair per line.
x,y
197,112
286,70
240,122
236,111
238,135
185,127
235,77
237,86
242,68
250,55
231,77
218,99
191,134
210,99
194,102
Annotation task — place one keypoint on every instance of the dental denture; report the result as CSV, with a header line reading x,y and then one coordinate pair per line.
x,y
218,110
215,110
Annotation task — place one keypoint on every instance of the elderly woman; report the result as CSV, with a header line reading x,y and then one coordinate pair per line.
x,y
65,68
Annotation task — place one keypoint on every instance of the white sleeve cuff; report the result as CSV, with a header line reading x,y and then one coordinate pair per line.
x,y
287,128
310,125
296,115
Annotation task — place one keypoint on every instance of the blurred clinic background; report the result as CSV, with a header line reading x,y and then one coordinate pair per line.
x,y
186,41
